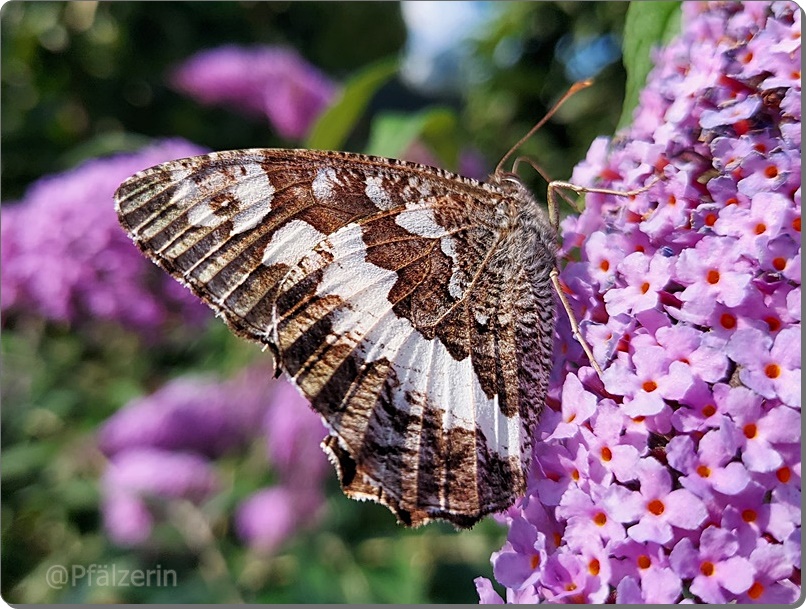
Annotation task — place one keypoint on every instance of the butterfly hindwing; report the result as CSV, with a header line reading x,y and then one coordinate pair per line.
x,y
390,294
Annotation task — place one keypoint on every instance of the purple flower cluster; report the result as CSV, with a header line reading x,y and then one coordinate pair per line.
x,y
161,447
676,477
138,480
261,81
191,413
293,432
65,257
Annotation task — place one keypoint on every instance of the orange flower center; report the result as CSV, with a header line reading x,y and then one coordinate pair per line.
x,y
779,263
755,591
703,471
656,507
728,321
771,172
600,519
707,568
749,515
750,430
783,474
712,276
607,454
604,265
593,567
645,288
709,410
649,386
535,562
710,219
644,562
772,371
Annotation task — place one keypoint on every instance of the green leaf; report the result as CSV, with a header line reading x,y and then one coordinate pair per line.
x,y
648,24
27,459
335,124
392,133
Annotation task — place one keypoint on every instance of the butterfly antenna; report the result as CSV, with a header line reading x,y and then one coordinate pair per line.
x,y
575,88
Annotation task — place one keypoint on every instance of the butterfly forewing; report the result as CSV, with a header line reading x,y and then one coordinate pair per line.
x,y
411,306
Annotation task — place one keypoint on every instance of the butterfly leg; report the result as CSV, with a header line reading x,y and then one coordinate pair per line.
x,y
575,332
555,190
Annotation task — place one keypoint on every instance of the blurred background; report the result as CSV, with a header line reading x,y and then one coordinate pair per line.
x,y
137,433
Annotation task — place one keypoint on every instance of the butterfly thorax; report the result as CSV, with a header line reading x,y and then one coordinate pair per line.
x,y
535,241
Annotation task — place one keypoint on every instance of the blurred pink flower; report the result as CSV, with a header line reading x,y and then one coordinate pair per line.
x,y
159,447
136,477
193,413
269,517
260,81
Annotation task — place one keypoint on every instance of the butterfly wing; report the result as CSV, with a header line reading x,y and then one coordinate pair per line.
x,y
388,292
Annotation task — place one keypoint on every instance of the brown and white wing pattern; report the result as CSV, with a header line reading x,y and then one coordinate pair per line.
x,y
411,306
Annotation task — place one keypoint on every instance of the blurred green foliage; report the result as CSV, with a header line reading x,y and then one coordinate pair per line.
x,y
93,73
82,79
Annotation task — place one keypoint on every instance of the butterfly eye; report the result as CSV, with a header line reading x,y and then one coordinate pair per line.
x,y
506,179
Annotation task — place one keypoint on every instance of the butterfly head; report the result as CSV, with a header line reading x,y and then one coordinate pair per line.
x,y
523,210
513,187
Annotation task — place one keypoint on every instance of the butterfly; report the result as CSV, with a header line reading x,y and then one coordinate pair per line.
x,y
413,307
